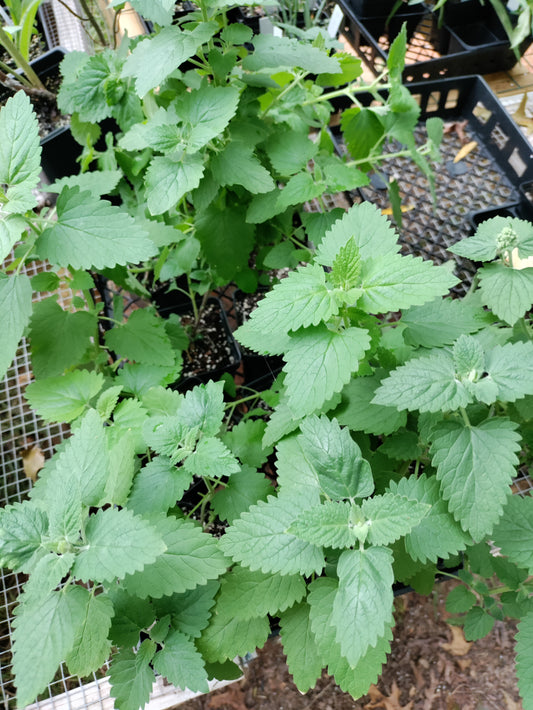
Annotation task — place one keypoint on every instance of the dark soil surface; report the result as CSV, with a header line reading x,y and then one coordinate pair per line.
x,y
210,349
431,667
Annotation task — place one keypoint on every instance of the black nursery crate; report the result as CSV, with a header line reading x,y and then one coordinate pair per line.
x,y
488,177
477,46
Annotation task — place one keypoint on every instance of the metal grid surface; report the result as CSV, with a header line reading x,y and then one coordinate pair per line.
x,y
475,183
62,27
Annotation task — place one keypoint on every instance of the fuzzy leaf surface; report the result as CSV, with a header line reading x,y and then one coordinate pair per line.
x,y
299,646
319,363
15,305
211,458
259,540
484,244
131,676
296,475
244,489
20,152
510,366
514,532
358,412
227,636
158,486
341,470
276,52
169,178
507,292
190,611
142,338
391,516
64,398
118,543
92,647
442,321
327,524
91,233
191,558
207,112
23,527
475,466
247,594
438,534
363,603
237,165
181,664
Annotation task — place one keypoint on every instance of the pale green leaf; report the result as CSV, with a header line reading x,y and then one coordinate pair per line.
x,y
391,516
524,667
442,321
180,663
46,576
107,401
191,558
299,647
45,633
507,292
155,57
227,637
122,461
211,458
275,52
289,151
100,182
295,474
203,407
118,543
513,533
475,465
23,529
131,676
438,534
20,152
158,486
92,233
11,229
426,383
92,646
169,178
72,337
158,11
363,604
478,623
459,600
488,240
511,368
341,470
319,363
15,305
246,594
328,524
63,398
207,112
142,338
300,188
259,539
245,439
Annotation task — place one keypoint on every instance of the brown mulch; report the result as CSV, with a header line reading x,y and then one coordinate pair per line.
x,y
431,667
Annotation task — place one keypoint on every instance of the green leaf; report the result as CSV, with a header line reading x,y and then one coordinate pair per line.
x,y
203,407
289,151
317,223
427,383
64,398
372,231
442,321
132,615
475,465
92,646
159,11
158,486
390,516
363,603
244,489
347,266
169,178
393,281
488,241
180,663
122,463
272,52
510,366
438,534
259,539
118,543
340,467
356,681
299,188
319,363
142,338
524,651
507,292
46,576
244,440
211,458
98,183
513,533
362,131
15,305
247,595
11,229
237,165
299,646
478,623
107,401
155,57
20,152
296,475
23,527
83,461
207,112
131,676
227,636
329,524
72,337
191,558
91,233
45,633
459,600
358,412
190,611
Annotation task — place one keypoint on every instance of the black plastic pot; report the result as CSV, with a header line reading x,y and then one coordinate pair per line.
x,y
512,209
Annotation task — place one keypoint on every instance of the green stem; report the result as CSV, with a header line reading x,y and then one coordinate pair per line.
x,y
92,19
351,90
13,52
295,82
423,150
464,415
22,260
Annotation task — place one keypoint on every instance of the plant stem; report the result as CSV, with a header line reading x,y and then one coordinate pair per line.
x,y
423,150
464,415
17,57
295,82
351,90
92,19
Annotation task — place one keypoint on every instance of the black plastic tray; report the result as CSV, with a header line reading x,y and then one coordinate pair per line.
x,y
488,177
468,45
